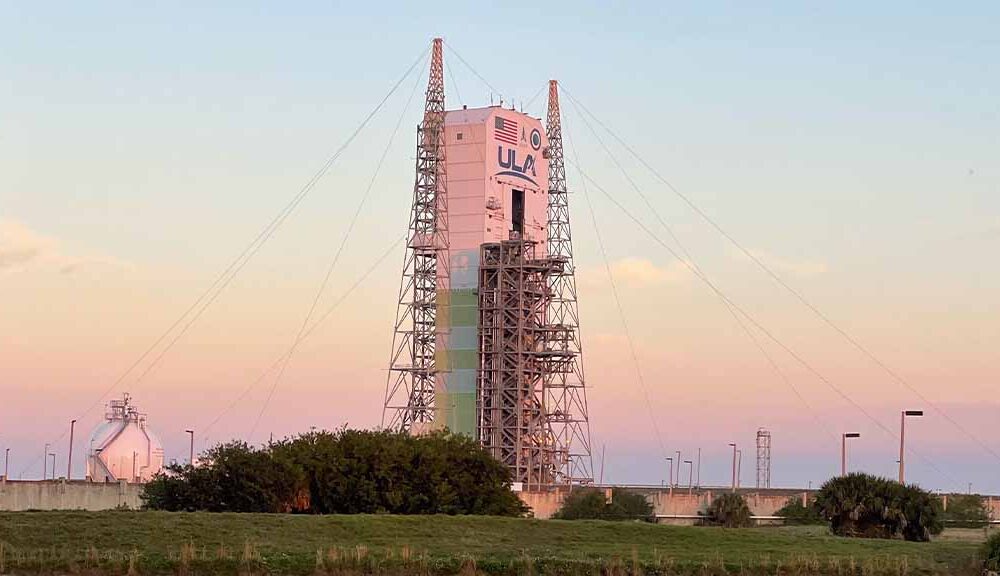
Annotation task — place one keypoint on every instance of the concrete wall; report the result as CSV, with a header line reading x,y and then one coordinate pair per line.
x,y
62,495
679,507
677,503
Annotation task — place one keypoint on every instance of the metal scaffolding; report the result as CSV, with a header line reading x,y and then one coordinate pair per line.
x,y
763,458
413,373
518,350
565,390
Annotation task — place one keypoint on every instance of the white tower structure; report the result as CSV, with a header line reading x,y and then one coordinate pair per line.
x,y
122,447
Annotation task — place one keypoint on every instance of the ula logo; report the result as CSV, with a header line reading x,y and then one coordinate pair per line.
x,y
512,169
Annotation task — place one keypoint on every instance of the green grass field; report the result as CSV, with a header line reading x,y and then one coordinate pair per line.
x,y
202,543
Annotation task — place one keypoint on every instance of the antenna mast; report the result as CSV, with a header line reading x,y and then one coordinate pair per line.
x,y
566,394
413,373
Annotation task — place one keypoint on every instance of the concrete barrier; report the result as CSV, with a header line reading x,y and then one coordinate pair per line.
x,y
677,506
16,495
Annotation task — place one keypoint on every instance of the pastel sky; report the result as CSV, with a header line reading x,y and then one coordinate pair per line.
x,y
853,147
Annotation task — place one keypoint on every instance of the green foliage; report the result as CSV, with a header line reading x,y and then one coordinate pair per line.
x,y
966,511
991,553
730,510
591,504
238,478
796,514
343,472
872,507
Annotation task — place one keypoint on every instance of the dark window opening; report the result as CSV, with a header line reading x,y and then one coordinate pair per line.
x,y
517,212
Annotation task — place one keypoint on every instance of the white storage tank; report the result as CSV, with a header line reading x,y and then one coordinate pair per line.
x,y
122,447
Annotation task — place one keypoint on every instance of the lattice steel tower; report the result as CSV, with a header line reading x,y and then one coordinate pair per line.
x,y
413,371
763,458
565,391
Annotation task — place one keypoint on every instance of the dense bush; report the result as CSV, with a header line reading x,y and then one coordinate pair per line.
x,y
966,511
795,514
991,553
343,472
730,510
871,507
238,479
591,504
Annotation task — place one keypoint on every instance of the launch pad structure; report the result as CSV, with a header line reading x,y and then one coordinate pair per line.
x,y
486,340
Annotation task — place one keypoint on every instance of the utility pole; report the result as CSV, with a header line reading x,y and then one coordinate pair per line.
x,y
45,462
6,464
902,439
843,450
69,459
191,450
733,444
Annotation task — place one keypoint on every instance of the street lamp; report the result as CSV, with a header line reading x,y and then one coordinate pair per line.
x,y
69,459
6,463
670,483
191,451
739,468
902,438
699,469
678,460
690,474
733,444
45,462
843,450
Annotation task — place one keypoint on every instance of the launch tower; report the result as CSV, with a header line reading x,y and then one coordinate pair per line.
x,y
486,340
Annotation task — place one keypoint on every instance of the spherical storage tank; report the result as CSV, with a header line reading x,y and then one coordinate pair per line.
x,y
122,447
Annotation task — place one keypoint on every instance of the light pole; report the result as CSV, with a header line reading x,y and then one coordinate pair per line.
x,y
699,468
690,475
843,450
678,460
670,483
733,444
69,459
6,463
739,468
45,462
191,450
902,440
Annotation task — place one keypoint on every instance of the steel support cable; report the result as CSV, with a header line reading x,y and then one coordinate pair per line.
x,y
336,257
618,304
533,98
795,293
687,255
471,69
227,275
798,358
312,328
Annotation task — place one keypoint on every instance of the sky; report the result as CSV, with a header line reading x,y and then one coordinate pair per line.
x,y
851,147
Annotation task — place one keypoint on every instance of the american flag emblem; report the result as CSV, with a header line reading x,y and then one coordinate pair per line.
x,y
505,131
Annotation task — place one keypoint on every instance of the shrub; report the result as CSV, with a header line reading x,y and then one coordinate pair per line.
x,y
872,507
966,511
991,553
795,514
730,510
343,472
591,504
